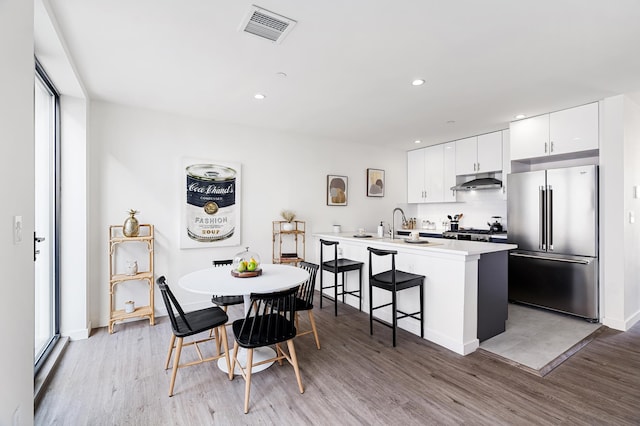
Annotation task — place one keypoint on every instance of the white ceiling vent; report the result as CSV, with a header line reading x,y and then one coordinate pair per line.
x,y
266,24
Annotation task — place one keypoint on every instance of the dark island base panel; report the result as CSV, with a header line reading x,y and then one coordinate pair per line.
x,y
493,284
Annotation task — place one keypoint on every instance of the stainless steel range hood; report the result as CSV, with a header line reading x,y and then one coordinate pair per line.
x,y
479,183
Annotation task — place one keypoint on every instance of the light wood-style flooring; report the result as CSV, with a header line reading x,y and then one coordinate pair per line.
x,y
354,379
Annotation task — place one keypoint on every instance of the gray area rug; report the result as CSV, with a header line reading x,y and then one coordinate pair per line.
x,y
537,340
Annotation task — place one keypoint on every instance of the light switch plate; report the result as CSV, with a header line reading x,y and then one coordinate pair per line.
x,y
17,229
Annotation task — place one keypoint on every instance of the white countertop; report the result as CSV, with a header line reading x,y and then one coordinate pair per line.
x,y
433,245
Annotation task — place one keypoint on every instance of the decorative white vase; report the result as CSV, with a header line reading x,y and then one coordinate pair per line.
x,y
287,226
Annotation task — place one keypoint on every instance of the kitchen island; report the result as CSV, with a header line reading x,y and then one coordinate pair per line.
x,y
465,294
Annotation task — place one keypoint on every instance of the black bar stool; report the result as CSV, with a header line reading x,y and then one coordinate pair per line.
x,y
394,281
339,266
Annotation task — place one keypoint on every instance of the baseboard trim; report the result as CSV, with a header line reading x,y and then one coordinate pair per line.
x,y
45,373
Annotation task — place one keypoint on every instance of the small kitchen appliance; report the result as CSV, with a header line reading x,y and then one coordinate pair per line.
x,y
496,226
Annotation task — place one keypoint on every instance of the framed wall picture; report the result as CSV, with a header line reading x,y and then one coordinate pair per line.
x,y
337,194
375,183
210,203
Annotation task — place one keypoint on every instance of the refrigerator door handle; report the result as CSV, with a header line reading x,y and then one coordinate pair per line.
x,y
550,218
542,234
582,262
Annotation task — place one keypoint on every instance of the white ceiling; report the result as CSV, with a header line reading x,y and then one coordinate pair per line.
x,y
350,64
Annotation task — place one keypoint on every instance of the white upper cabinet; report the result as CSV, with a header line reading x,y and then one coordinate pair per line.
x,y
449,173
574,130
426,182
466,156
434,174
415,176
530,137
490,152
563,132
479,154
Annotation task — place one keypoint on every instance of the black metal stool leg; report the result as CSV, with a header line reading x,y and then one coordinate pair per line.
x,y
370,309
422,310
335,294
360,289
394,312
321,285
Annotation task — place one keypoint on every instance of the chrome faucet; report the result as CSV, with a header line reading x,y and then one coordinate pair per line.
x,y
393,216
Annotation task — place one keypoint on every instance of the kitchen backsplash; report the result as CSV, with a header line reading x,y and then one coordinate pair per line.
x,y
477,207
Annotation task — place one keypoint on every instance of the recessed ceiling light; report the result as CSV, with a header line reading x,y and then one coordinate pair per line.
x,y
417,141
281,74
451,122
417,82
519,116
259,96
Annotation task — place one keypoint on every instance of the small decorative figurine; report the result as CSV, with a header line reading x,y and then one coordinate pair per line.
x,y
131,226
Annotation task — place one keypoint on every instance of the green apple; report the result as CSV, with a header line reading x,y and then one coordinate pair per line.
x,y
252,266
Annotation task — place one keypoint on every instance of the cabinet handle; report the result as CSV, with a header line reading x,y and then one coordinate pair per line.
x,y
474,167
545,147
478,166
551,146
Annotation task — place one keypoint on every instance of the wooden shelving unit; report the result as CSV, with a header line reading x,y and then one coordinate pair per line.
x,y
288,245
117,239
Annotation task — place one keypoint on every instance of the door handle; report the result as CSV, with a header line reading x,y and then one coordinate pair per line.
x,y
581,262
542,229
550,219
36,240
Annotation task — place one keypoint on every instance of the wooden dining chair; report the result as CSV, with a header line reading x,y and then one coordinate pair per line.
x,y
271,322
186,324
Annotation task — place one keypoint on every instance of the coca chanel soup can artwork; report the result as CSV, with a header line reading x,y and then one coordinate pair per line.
x,y
211,214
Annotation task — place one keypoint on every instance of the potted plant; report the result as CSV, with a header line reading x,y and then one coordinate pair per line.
x,y
288,216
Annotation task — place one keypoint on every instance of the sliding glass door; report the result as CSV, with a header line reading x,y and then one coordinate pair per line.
x,y
46,202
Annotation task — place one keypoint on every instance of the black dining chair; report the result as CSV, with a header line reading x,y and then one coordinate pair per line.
x,y
338,266
225,301
394,281
271,322
304,300
186,324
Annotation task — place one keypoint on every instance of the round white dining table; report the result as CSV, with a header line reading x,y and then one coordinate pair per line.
x,y
219,281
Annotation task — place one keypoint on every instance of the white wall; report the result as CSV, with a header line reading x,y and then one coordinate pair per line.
x,y
477,208
632,207
74,291
135,163
619,239
17,177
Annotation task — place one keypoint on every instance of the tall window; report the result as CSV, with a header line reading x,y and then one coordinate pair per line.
x,y
46,149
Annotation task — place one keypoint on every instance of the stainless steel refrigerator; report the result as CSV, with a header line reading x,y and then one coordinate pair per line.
x,y
553,218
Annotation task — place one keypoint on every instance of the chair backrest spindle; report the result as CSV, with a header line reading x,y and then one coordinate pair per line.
x,y
170,302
